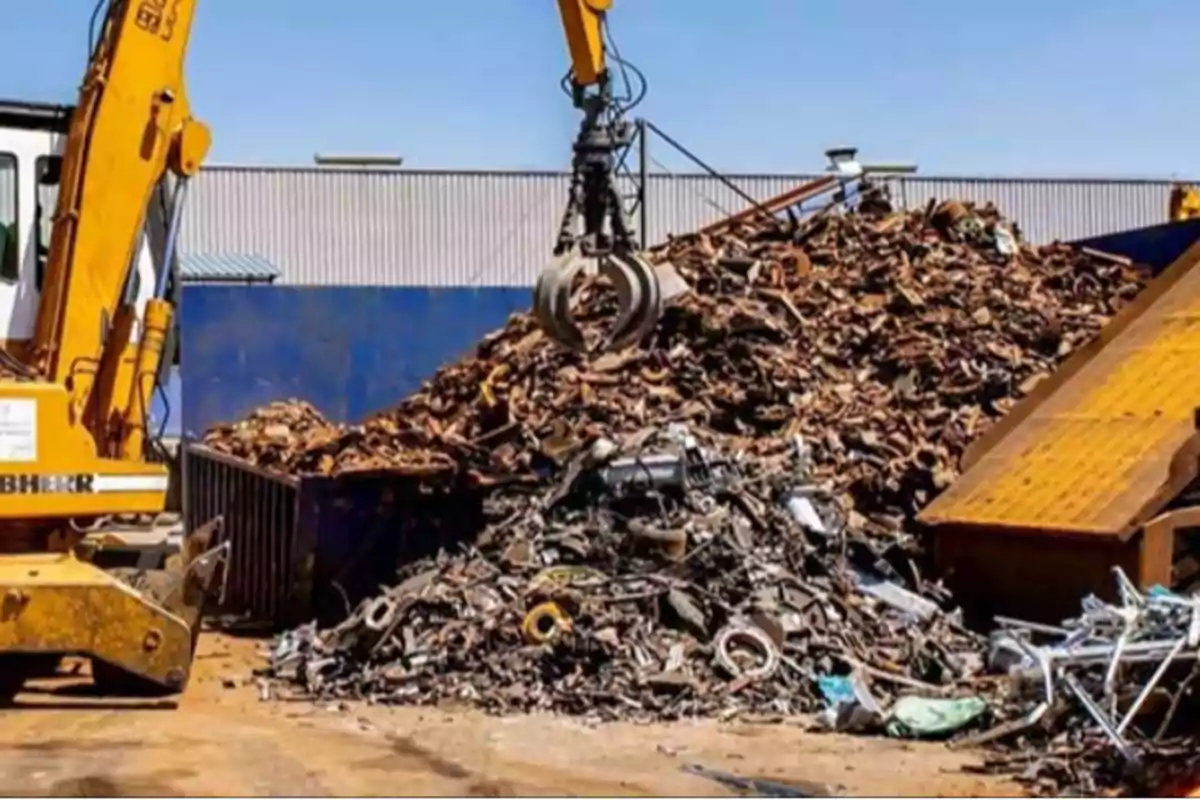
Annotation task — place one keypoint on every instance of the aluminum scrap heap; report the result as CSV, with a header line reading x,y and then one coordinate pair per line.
x,y
1105,700
711,523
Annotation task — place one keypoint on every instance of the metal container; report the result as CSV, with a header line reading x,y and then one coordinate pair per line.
x,y
1083,473
312,546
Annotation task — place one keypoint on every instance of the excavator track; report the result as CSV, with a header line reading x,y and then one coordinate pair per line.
x,y
1072,481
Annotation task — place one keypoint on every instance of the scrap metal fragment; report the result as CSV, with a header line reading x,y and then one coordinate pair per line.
x,y
545,622
850,368
753,639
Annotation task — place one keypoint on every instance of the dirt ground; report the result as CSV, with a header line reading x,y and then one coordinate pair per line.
x,y
221,740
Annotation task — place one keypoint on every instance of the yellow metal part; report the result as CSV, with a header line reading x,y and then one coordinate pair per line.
x,y
544,622
55,603
113,382
190,148
583,24
1109,440
156,322
131,126
1184,203
62,450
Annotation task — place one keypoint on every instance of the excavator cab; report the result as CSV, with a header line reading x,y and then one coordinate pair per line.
x,y
32,138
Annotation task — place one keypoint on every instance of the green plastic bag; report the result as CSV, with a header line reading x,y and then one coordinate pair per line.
x,y
922,717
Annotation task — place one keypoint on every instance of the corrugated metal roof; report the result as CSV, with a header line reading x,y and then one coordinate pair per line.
x,y
439,228
320,225
224,267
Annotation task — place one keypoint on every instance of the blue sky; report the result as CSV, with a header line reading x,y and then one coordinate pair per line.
x,y
1056,87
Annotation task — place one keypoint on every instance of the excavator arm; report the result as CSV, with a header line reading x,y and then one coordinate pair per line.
x,y
583,22
595,236
132,126
75,403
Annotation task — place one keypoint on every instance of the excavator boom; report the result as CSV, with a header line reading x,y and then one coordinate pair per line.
x,y
131,126
582,22
74,402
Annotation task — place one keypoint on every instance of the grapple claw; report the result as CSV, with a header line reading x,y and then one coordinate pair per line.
x,y
639,298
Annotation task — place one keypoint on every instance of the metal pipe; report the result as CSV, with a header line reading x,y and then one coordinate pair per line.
x,y
696,159
160,284
1150,684
358,160
1103,721
643,182
1035,627
1074,653
890,169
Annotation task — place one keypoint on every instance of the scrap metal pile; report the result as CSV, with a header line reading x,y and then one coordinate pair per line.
x,y
1104,700
719,523
659,578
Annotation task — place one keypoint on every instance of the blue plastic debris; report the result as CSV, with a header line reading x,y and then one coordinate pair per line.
x,y
836,689
850,706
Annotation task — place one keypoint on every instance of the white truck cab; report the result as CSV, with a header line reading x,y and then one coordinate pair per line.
x,y
32,139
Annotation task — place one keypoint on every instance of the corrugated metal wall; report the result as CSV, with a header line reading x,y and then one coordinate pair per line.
x,y
409,228
1049,209
351,227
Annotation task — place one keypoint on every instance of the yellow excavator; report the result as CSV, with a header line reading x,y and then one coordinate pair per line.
x,y
74,394
1184,203
87,319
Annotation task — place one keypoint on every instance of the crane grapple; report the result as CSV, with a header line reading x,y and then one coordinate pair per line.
x,y
595,238
634,279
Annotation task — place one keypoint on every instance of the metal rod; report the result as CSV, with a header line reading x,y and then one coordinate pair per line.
x,y
160,285
1089,654
1035,627
1103,721
643,182
696,160
1150,684
1110,674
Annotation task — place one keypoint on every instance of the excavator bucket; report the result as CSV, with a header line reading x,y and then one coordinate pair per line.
x,y
138,626
641,287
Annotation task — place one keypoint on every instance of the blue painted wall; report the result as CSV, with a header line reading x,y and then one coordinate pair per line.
x,y
1156,246
350,351
166,409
